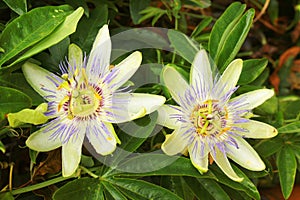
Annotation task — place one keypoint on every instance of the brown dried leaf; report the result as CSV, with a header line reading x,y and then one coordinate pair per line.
x,y
51,165
274,78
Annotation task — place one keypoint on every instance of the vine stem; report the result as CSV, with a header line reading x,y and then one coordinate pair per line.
x,y
39,185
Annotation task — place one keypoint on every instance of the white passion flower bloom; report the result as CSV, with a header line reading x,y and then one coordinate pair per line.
x,y
85,100
209,124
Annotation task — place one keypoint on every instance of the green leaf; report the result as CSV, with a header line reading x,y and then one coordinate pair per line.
x,y
293,127
269,107
6,196
79,3
177,185
89,27
246,185
29,116
201,26
30,28
289,105
154,12
235,39
63,30
287,165
83,188
268,147
144,189
17,81
132,135
229,33
197,188
87,161
152,164
208,187
273,11
18,6
251,70
12,100
183,45
114,192
136,6
2,147
222,28
199,3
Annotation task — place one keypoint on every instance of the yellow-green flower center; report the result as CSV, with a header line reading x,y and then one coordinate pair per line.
x,y
84,102
209,119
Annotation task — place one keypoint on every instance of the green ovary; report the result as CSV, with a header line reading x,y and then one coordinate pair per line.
x,y
84,102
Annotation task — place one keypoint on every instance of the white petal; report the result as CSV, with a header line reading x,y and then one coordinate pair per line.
x,y
75,57
222,161
201,75
245,155
175,143
199,158
252,99
39,78
40,141
165,118
229,78
257,129
175,83
71,153
103,138
99,58
135,105
126,69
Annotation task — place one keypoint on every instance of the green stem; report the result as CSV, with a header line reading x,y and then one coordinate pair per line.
x,y
88,172
176,28
40,185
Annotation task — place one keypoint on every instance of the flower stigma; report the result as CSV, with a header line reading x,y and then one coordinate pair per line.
x,y
209,119
83,100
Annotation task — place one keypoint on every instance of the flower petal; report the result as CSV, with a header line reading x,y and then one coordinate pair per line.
x,y
42,81
229,78
40,141
222,161
199,158
126,69
251,99
245,155
257,129
175,143
99,58
103,138
135,105
75,58
176,84
201,74
71,153
165,117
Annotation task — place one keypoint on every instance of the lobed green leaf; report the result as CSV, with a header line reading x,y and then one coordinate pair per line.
x,y
83,188
144,189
